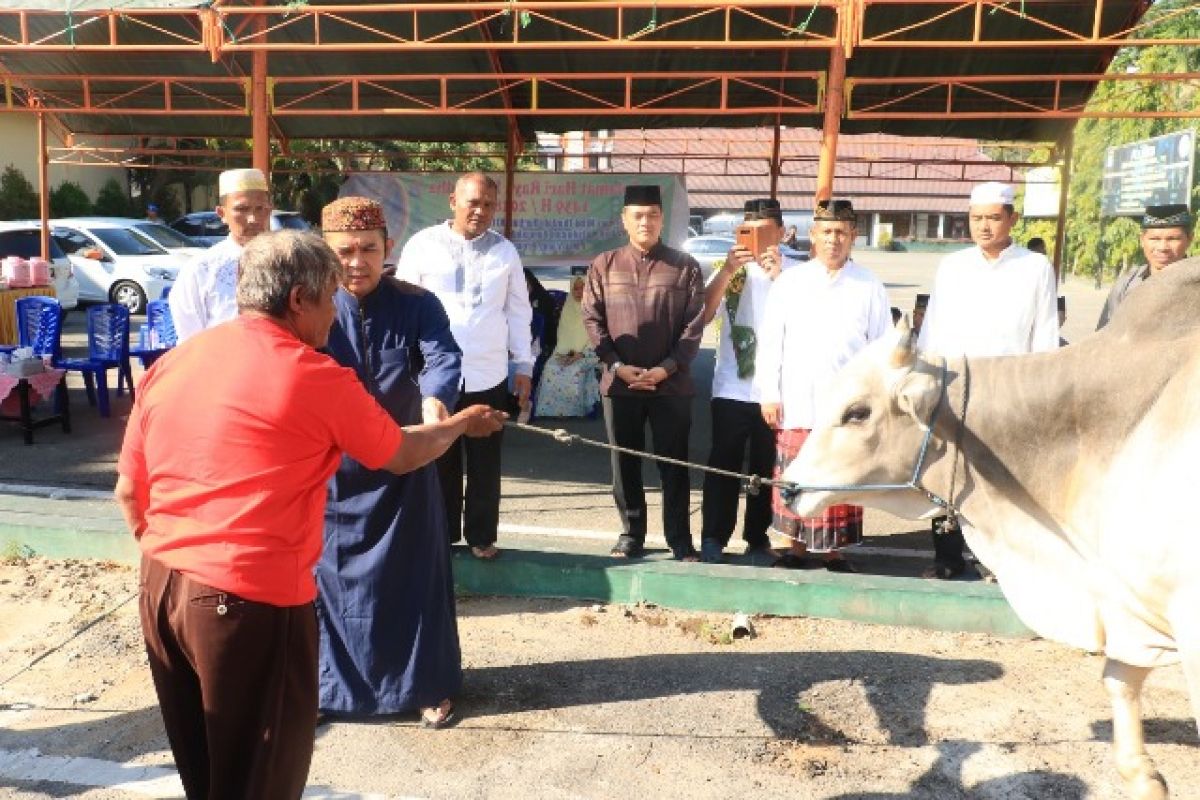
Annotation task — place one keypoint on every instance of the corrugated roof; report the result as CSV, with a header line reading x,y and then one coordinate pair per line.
x,y
878,172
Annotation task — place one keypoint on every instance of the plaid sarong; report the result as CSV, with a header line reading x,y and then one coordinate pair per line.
x,y
839,526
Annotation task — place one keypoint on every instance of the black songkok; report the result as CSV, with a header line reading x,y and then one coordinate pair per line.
x,y
1172,216
643,196
836,210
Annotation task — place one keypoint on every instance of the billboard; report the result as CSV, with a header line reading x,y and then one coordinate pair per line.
x,y
559,219
1042,192
1148,173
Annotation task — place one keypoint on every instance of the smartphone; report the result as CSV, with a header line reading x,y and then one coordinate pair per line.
x,y
756,236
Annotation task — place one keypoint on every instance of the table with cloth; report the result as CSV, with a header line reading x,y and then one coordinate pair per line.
x,y
8,309
19,395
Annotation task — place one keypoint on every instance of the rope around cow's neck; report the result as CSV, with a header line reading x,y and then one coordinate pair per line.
x,y
789,489
752,483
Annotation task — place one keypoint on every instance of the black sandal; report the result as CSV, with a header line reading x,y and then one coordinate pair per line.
x,y
627,547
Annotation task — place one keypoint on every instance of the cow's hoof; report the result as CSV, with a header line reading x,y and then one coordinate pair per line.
x,y
1147,786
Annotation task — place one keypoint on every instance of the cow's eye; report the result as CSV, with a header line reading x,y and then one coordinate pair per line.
x,y
856,413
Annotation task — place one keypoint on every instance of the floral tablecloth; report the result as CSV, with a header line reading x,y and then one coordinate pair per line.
x,y
42,385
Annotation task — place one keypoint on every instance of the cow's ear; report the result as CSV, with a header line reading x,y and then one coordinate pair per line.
x,y
916,394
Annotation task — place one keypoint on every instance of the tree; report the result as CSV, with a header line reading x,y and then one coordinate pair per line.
x,y
1101,247
18,200
113,200
69,200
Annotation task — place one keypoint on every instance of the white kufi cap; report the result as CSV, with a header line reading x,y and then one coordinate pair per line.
x,y
241,180
992,193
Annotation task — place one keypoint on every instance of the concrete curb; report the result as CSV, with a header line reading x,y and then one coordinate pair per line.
x,y
91,528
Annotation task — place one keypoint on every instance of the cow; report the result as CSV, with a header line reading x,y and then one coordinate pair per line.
x,y
1074,474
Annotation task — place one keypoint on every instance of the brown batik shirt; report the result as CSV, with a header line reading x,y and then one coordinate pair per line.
x,y
645,310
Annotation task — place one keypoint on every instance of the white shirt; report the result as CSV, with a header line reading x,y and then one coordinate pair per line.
x,y
991,308
751,310
205,293
482,287
814,323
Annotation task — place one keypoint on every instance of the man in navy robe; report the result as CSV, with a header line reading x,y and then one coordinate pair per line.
x,y
389,638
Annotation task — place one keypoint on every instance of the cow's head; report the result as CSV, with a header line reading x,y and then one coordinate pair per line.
x,y
870,430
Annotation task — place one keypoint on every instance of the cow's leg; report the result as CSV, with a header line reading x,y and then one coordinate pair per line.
x,y
1124,685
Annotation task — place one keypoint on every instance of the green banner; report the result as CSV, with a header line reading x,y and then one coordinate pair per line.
x,y
558,218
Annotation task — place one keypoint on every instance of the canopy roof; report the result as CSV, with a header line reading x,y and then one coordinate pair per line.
x,y
472,71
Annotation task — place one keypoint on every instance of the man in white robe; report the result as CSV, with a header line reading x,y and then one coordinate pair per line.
x,y
204,293
994,299
819,314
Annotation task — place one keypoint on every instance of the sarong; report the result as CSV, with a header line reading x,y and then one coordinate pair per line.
x,y
837,527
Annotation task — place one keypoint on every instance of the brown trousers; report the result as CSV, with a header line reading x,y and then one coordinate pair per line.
x,y
237,685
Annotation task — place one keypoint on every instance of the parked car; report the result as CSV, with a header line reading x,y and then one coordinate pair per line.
x,y
710,249
207,228
116,262
24,239
169,238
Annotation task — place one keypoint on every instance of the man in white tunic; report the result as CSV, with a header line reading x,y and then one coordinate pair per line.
x,y
204,292
737,295
994,299
819,314
476,274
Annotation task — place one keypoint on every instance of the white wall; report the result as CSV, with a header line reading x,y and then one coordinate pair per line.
x,y
18,146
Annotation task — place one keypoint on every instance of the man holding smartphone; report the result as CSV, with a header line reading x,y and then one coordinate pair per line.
x,y
737,295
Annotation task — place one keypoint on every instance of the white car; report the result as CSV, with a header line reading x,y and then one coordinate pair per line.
x,y
24,239
116,262
167,237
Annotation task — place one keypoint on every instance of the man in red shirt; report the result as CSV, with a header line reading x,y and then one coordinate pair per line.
x,y
222,479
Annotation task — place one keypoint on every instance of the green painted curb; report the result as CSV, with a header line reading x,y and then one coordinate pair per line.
x,y
92,529
910,602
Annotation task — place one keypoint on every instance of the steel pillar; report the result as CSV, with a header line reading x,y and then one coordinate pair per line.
x,y
44,180
260,114
834,105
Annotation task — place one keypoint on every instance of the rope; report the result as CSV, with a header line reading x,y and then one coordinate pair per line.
x,y
753,483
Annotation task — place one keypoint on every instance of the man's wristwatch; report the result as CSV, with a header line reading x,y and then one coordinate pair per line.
x,y
617,365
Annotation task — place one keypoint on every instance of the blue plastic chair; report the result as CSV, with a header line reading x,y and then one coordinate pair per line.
x,y
39,325
161,327
108,348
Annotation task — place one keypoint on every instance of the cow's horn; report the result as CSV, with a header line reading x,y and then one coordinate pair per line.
x,y
904,353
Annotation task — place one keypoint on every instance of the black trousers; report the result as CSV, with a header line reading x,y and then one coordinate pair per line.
x,y
948,547
739,437
237,686
670,420
481,508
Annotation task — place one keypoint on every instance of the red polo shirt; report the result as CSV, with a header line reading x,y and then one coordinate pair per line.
x,y
236,432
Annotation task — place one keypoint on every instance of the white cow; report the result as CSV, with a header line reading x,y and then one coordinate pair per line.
x,y
1077,475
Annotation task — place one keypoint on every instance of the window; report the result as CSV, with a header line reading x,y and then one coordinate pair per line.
x,y
126,242
71,241
26,244
164,236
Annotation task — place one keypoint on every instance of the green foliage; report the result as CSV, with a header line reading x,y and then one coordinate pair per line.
x,y
1105,245
168,204
113,200
69,200
18,200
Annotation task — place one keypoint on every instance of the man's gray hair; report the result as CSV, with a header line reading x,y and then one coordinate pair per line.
x,y
274,263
